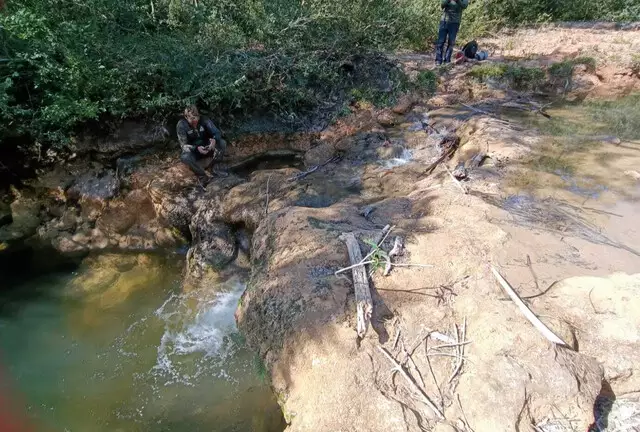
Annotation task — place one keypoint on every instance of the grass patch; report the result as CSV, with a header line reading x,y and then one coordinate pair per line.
x,y
488,71
564,69
427,82
554,164
518,77
523,180
621,117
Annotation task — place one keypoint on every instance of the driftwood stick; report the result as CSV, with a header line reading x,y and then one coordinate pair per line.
x,y
452,345
395,251
364,303
442,337
415,367
533,319
456,181
411,381
433,166
351,267
458,355
433,375
466,421
313,169
266,206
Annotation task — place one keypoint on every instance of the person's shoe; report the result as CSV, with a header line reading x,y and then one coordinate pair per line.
x,y
204,180
219,173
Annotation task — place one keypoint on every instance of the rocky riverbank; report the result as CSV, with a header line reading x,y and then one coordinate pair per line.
x,y
283,225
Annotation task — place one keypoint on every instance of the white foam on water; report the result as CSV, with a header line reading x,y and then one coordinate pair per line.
x,y
196,325
404,158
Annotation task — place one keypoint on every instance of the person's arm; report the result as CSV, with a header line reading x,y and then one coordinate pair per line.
x,y
212,130
181,131
463,3
443,3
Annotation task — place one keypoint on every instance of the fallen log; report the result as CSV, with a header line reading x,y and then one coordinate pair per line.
x,y
364,303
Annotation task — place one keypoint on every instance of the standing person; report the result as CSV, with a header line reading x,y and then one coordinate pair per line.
x,y
449,26
199,138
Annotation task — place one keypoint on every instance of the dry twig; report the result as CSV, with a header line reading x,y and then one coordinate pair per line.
x,y
423,396
533,319
466,421
266,206
462,187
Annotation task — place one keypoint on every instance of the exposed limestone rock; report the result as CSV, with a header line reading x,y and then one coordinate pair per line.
x,y
214,244
92,191
24,219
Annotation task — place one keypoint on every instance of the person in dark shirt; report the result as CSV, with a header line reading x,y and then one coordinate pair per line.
x,y
199,138
449,26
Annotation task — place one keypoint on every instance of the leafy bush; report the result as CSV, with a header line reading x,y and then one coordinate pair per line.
x,y
66,63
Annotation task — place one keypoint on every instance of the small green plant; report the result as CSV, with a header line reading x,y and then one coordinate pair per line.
x,y
562,70
587,61
427,81
378,258
519,77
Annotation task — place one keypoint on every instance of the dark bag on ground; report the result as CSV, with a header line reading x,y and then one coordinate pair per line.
x,y
470,49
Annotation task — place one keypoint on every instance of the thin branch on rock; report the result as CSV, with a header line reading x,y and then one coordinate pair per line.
x,y
458,355
303,174
466,421
413,363
462,187
533,319
266,207
451,345
395,251
433,375
424,398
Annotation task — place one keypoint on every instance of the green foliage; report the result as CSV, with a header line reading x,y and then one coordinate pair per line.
x,y
378,257
427,82
483,72
515,76
564,69
65,63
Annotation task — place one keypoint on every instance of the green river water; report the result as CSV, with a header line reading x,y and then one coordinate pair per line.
x,y
116,346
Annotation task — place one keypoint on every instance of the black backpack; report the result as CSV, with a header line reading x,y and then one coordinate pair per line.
x,y
470,49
